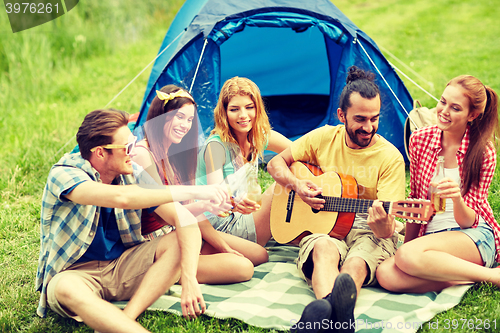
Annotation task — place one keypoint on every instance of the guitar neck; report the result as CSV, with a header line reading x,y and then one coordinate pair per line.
x,y
350,205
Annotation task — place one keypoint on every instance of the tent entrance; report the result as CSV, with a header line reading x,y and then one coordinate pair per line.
x,y
291,69
295,115
298,53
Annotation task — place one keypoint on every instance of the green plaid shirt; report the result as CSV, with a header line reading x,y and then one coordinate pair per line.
x,y
68,228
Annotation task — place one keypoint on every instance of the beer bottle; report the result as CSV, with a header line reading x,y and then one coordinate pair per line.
x,y
254,191
438,202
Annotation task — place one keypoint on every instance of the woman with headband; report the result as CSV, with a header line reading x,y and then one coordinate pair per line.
x,y
168,153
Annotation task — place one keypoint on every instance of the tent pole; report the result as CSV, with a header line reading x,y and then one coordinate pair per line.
x,y
198,65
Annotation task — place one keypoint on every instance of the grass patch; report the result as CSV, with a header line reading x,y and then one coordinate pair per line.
x,y
54,74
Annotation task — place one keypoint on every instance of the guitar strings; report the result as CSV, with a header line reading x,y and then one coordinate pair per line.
x,y
350,205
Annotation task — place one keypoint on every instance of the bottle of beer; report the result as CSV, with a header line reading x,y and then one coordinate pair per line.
x,y
254,191
438,202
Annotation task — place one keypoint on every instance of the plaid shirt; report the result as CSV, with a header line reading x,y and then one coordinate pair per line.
x,y
68,228
425,145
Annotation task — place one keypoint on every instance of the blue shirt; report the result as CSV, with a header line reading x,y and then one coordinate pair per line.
x,y
107,244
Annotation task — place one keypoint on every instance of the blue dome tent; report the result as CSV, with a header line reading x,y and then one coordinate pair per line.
x,y
297,52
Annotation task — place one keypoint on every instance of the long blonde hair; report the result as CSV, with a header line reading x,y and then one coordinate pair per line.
x,y
259,134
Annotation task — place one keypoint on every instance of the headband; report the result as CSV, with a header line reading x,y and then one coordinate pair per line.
x,y
168,97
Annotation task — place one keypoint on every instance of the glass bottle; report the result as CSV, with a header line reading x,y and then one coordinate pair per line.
x,y
438,202
254,191
226,214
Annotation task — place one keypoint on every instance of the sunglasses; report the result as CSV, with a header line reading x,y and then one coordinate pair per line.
x,y
129,147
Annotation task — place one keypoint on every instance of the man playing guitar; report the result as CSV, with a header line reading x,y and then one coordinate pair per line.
x,y
337,269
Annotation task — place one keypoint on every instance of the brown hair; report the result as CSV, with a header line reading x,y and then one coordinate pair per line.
x,y
261,128
98,128
483,128
180,159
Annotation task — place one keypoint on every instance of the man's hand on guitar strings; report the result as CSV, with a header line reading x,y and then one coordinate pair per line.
x,y
308,192
381,223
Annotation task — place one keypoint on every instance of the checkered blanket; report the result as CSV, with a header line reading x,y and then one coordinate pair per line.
x,y
276,296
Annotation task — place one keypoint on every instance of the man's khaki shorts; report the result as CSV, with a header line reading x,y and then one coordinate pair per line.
x,y
358,243
115,280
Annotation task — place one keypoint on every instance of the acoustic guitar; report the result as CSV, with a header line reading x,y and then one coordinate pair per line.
x,y
292,218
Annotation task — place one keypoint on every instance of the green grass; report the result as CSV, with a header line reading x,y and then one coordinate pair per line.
x,y
52,75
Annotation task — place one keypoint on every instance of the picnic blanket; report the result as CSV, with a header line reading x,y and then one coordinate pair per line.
x,y
276,296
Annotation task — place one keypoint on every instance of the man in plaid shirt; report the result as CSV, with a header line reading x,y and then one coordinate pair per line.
x,y
92,250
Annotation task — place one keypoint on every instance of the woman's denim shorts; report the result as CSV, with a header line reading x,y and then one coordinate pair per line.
x,y
484,238
237,224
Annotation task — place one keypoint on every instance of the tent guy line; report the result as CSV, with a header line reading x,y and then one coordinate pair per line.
x,y
218,42
125,88
147,66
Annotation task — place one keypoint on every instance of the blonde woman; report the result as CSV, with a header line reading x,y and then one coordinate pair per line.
x,y
242,132
168,153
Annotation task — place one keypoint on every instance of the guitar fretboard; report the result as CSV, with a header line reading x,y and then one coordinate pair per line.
x,y
350,205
